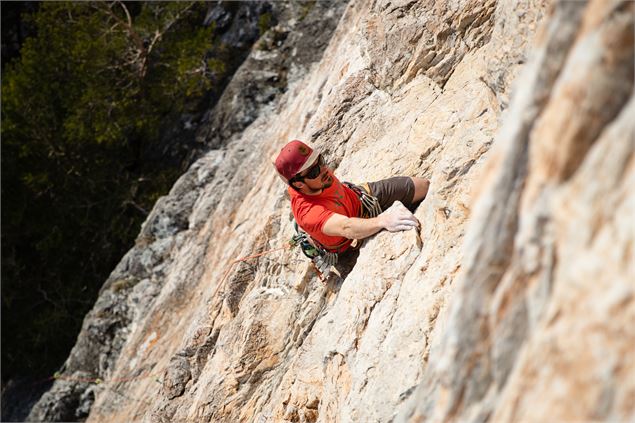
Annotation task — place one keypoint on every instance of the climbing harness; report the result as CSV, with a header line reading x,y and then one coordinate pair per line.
x,y
321,257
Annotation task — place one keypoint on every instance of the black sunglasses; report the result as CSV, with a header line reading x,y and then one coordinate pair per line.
x,y
312,173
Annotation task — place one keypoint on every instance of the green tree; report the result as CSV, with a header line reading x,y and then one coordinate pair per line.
x,y
82,110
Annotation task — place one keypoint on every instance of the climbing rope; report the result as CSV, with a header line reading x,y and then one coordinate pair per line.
x,y
97,380
231,264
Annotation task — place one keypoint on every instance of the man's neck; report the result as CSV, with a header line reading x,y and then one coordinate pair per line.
x,y
312,192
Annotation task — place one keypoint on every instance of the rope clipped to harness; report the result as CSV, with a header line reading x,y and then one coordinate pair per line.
x,y
323,259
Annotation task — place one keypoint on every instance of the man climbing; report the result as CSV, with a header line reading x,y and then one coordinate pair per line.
x,y
334,215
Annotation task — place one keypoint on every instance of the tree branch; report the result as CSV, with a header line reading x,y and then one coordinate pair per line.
x,y
46,297
135,206
158,34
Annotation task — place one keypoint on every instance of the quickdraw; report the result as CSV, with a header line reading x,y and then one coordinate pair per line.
x,y
313,250
370,204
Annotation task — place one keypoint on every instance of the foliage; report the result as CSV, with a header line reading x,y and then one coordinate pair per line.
x,y
305,8
82,110
265,22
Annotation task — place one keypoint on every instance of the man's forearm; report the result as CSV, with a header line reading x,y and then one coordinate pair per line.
x,y
357,228
396,218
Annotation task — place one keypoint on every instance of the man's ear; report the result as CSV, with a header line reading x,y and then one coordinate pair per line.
x,y
296,185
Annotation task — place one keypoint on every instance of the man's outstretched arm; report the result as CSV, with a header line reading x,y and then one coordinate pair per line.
x,y
394,219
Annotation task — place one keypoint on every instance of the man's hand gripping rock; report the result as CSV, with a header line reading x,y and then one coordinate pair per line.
x,y
398,218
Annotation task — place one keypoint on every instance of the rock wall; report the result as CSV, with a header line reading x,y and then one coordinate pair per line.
x,y
540,324
514,302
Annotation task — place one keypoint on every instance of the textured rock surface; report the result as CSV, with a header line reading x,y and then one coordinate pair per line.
x,y
281,56
514,302
539,325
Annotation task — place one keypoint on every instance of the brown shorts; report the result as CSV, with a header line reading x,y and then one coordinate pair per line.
x,y
389,190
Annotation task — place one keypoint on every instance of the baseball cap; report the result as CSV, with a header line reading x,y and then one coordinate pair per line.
x,y
293,158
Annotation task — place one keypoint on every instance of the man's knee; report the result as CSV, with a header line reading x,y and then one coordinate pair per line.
x,y
421,188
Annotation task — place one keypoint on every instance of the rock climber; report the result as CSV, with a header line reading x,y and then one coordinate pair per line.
x,y
333,215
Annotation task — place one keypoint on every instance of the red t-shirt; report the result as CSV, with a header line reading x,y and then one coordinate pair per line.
x,y
312,211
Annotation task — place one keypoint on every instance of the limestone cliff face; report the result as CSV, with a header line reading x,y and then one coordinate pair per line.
x,y
515,302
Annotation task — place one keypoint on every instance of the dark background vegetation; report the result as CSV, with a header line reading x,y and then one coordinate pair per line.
x,y
89,91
